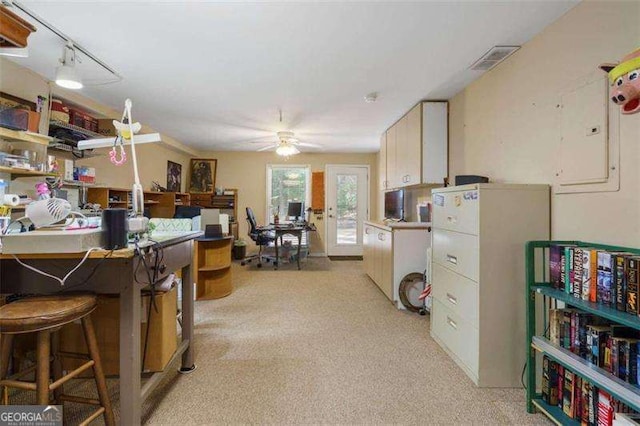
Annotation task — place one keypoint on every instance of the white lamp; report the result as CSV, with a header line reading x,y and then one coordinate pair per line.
x,y
66,75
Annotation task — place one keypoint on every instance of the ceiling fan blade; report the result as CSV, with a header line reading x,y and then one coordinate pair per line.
x,y
310,145
266,148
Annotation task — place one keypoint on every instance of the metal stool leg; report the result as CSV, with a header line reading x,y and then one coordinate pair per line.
x,y
101,384
43,349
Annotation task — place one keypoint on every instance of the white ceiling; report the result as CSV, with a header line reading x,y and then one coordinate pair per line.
x,y
213,75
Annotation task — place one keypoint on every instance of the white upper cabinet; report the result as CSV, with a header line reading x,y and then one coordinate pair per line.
x,y
415,148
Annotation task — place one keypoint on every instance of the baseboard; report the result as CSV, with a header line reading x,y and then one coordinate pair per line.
x,y
322,254
345,258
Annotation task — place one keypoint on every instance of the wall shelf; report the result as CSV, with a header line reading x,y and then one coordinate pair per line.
x,y
55,124
17,172
24,136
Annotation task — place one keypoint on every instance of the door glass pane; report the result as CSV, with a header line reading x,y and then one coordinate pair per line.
x,y
287,184
347,209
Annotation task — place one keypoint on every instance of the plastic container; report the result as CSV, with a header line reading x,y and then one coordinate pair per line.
x,y
2,191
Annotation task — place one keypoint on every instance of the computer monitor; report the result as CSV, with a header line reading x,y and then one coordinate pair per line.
x,y
295,209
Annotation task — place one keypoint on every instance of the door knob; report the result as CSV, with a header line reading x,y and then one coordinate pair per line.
x,y
330,215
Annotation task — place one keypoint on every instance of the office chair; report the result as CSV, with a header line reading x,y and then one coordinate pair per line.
x,y
261,236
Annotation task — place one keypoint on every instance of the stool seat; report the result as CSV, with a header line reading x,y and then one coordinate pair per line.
x,y
44,312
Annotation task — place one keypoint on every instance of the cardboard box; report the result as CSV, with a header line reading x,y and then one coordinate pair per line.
x,y
66,169
105,127
163,335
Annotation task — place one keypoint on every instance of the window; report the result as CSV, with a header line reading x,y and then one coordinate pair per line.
x,y
287,183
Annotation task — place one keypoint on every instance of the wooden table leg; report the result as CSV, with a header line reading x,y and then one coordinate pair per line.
x,y
130,397
43,349
299,244
187,319
275,242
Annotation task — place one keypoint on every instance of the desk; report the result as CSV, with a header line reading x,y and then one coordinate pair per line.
x,y
290,229
119,274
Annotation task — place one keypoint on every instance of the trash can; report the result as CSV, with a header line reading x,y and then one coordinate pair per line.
x,y
239,250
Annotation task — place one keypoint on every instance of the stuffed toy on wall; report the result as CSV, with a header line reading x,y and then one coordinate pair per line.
x,y
625,82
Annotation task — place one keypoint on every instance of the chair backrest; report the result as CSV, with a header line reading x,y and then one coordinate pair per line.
x,y
251,220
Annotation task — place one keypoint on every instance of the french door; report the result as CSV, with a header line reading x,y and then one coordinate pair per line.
x,y
347,206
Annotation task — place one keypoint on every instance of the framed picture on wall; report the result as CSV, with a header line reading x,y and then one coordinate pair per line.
x,y
174,176
202,176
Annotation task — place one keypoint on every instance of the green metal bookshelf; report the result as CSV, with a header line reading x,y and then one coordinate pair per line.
x,y
537,254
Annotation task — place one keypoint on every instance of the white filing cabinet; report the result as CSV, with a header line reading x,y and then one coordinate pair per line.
x,y
478,275
391,252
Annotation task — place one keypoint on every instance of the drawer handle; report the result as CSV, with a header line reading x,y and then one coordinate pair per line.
x,y
381,236
452,323
452,299
367,231
452,219
452,259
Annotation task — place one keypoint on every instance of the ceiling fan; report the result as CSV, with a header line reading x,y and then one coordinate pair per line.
x,y
286,144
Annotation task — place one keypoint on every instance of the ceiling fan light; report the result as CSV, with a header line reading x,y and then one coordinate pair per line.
x,y
67,77
285,150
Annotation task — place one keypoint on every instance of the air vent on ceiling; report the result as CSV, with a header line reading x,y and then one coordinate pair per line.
x,y
493,57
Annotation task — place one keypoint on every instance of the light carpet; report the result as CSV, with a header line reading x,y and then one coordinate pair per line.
x,y
292,347
319,347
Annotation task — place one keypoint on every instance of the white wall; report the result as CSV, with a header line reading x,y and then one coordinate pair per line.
x,y
506,125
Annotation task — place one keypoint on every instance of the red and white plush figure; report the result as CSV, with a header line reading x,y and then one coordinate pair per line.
x,y
625,82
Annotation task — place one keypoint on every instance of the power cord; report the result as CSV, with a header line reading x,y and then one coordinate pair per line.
x,y
60,280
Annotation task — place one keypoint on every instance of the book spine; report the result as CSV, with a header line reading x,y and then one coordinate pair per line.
x,y
567,393
593,406
569,254
577,273
623,354
554,265
592,346
586,274
545,384
577,397
632,285
608,355
605,410
593,286
604,278
615,357
585,398
621,283
555,326
563,269
553,383
566,329
632,363
560,385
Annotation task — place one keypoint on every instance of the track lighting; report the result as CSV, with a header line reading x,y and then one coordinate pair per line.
x,y
66,75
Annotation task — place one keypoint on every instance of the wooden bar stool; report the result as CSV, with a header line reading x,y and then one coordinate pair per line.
x,y
45,315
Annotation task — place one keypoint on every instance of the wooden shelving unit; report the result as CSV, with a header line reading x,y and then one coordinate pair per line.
x,y
182,199
228,204
536,255
213,268
160,204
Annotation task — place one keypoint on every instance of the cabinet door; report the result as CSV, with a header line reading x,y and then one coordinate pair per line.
x,y
382,163
412,152
386,263
391,158
368,249
401,152
434,142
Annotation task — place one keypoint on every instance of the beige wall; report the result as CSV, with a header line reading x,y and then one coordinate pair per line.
x,y
506,125
152,166
246,171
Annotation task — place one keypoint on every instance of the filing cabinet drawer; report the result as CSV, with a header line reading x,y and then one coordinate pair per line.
x,y
458,335
456,251
456,292
456,211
